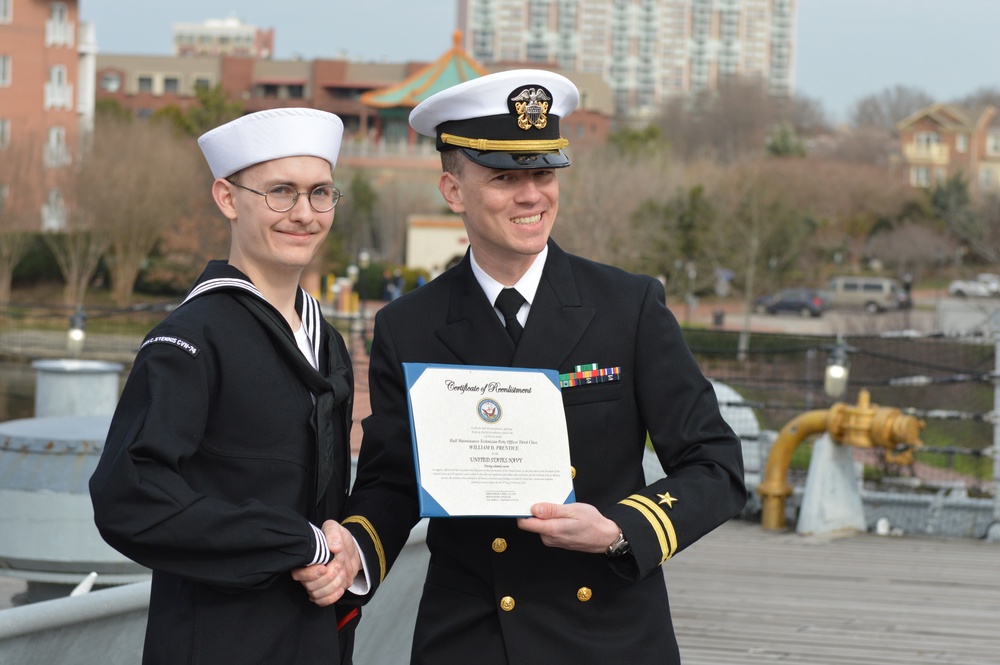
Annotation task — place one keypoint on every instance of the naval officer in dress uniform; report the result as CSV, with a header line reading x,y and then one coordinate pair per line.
x,y
575,583
228,455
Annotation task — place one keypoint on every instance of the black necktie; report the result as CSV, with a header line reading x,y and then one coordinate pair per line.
x,y
509,303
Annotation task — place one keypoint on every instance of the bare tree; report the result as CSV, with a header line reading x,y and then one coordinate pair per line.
x,y
724,125
862,145
599,196
399,196
884,109
806,115
20,194
78,250
912,246
986,96
134,183
187,245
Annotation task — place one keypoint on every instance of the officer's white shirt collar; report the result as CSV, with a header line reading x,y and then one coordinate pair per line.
x,y
527,286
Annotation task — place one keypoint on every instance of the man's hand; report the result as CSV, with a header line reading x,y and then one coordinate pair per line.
x,y
571,526
326,583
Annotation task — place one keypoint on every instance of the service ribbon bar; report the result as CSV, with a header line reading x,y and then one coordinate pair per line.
x,y
589,374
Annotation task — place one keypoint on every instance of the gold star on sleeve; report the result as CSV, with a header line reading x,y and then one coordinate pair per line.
x,y
667,499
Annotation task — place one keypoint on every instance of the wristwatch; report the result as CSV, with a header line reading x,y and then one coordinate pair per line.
x,y
619,547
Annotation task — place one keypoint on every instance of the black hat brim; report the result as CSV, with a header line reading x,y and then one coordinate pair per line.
x,y
495,159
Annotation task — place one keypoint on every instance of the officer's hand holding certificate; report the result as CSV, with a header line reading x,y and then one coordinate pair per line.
x,y
488,441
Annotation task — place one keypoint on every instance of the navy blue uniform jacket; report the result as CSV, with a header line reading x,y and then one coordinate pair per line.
x,y
208,478
493,590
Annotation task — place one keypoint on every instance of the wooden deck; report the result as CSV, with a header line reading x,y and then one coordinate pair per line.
x,y
743,596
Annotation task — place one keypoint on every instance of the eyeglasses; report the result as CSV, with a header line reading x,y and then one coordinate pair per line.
x,y
282,198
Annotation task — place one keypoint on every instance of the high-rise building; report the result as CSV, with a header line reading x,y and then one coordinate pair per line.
x,y
228,36
646,50
46,102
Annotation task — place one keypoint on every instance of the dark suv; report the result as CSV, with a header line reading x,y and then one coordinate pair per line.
x,y
803,301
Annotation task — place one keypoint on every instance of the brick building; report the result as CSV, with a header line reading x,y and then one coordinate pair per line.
x,y
46,105
941,140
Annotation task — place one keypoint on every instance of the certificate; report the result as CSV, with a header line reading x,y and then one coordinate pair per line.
x,y
487,441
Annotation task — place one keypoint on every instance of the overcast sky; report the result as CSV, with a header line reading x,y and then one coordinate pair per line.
x,y
845,49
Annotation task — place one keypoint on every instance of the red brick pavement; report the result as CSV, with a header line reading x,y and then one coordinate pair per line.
x,y
362,408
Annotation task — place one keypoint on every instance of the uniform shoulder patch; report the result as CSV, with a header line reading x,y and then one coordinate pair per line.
x,y
173,341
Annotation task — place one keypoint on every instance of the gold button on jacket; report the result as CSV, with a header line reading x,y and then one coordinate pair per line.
x,y
506,603
499,545
584,594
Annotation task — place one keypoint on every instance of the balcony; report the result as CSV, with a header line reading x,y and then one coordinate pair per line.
x,y
58,96
935,153
59,33
57,156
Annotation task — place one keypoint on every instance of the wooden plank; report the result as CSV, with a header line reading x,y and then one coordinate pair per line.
x,y
746,596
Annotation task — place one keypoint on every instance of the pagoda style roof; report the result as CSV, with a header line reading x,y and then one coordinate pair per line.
x,y
452,68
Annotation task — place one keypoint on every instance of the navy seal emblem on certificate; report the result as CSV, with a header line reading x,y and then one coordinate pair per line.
x,y
487,441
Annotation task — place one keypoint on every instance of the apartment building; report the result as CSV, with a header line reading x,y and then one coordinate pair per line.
x,y
46,98
218,37
646,50
941,140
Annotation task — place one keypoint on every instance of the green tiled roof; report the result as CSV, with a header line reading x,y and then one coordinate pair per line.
x,y
450,69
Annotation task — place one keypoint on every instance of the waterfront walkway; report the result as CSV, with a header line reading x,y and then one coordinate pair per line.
x,y
744,596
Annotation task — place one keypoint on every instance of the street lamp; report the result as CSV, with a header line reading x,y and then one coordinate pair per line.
x,y
77,333
364,260
838,369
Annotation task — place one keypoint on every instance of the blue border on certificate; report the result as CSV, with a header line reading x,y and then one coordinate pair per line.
x,y
429,507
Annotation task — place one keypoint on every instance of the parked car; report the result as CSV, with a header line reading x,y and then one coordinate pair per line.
x,y
800,300
873,294
985,285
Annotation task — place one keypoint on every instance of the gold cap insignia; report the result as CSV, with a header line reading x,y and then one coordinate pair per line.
x,y
531,106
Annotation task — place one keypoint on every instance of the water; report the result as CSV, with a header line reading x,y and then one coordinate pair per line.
x,y
17,390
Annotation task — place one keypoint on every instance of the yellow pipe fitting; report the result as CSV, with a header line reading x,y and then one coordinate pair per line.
x,y
862,425
775,487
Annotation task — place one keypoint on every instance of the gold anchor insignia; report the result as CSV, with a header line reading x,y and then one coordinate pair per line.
x,y
531,105
667,499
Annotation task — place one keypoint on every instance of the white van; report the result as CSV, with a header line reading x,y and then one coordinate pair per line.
x,y
873,294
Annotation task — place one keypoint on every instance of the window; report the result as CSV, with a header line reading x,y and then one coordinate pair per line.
x,y
920,176
145,84
59,12
961,142
6,11
58,29
993,144
58,93
986,178
111,82
56,151
4,133
54,212
4,71
171,85
926,140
